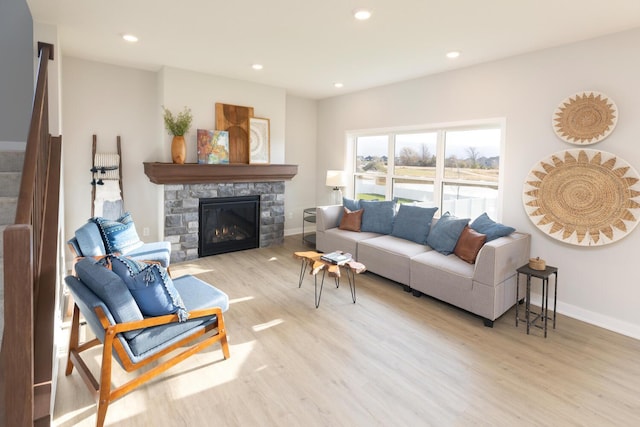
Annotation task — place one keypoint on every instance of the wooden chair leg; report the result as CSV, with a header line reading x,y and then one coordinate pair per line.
x,y
73,338
104,394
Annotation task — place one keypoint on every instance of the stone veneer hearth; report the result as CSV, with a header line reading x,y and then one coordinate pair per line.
x,y
181,212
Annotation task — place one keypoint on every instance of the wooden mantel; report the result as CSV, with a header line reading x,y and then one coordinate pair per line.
x,y
194,173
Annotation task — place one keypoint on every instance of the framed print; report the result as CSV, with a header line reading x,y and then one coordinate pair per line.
x,y
258,140
213,147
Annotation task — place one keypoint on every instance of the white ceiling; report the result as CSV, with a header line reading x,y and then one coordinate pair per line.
x,y
308,45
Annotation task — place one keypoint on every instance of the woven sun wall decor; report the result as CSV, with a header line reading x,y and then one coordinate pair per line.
x,y
583,197
585,118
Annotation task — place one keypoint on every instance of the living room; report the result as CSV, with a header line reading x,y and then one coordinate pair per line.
x,y
596,283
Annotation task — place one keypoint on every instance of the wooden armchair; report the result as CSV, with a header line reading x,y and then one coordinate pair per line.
x,y
134,341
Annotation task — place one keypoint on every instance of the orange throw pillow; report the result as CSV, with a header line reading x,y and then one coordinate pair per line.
x,y
469,244
351,220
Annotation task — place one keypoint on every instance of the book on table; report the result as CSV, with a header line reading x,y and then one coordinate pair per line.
x,y
338,257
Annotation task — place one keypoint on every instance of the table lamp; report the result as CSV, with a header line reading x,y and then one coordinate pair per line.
x,y
336,179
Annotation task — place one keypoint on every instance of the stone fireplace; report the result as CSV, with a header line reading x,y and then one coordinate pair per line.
x,y
182,201
185,184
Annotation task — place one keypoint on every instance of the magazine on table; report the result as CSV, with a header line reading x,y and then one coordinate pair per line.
x,y
338,257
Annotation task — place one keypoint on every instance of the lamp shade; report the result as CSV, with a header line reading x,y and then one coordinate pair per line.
x,y
336,179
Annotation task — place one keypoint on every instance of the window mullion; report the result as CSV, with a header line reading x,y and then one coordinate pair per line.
x,y
439,179
391,164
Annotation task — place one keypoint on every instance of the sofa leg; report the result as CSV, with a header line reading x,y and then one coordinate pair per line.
x,y
415,293
488,323
521,301
406,288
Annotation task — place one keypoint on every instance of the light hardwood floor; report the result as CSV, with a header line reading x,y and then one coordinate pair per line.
x,y
389,360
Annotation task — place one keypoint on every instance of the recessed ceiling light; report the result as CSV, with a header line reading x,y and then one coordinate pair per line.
x,y
130,38
257,66
453,54
338,85
362,14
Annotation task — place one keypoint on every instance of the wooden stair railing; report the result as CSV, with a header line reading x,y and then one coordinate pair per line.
x,y
31,252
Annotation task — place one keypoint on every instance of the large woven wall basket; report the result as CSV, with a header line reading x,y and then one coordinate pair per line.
x,y
583,197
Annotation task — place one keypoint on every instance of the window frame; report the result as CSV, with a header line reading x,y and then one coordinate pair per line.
x,y
439,181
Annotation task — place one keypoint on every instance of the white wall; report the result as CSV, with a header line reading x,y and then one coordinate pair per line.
x,y
300,150
108,101
595,284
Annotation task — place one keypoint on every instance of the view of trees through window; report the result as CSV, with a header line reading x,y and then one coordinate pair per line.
x,y
454,169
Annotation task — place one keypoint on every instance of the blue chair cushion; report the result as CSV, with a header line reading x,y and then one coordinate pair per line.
x,y
196,295
89,240
485,225
150,285
119,235
413,223
445,233
377,216
154,251
110,288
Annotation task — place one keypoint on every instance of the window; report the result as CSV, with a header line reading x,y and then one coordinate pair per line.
x,y
455,168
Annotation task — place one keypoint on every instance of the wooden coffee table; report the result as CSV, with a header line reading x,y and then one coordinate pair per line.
x,y
312,260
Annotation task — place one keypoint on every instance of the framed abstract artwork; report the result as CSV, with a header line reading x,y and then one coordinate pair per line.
x,y
213,147
259,148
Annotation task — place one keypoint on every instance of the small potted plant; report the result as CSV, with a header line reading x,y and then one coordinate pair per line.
x,y
177,125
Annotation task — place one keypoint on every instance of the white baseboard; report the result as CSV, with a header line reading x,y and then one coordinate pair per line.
x,y
607,322
12,146
292,231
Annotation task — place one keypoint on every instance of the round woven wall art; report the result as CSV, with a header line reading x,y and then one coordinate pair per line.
x,y
585,118
583,197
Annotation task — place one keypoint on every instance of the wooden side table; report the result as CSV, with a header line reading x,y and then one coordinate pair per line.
x,y
543,315
313,261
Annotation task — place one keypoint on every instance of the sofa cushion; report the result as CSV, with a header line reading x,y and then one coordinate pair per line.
x,y
485,225
151,287
120,235
413,223
89,240
469,244
389,256
445,233
377,216
111,290
351,221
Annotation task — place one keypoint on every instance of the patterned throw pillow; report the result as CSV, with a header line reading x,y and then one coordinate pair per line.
x,y
150,285
120,235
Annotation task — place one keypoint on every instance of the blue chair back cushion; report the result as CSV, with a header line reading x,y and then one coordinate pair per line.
x,y
89,240
150,285
113,292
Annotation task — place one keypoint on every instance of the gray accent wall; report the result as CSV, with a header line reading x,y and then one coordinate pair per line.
x,y
16,69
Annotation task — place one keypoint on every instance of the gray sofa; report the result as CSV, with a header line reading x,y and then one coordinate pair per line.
x,y
486,288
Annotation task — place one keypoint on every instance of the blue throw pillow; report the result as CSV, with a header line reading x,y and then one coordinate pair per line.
x,y
351,204
151,287
445,233
377,216
119,235
485,225
413,223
